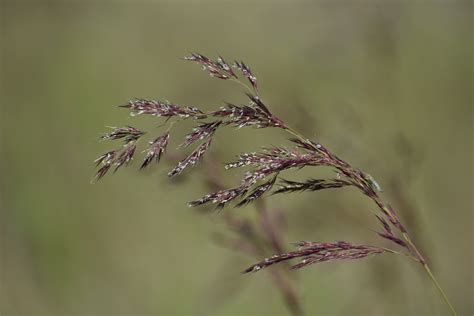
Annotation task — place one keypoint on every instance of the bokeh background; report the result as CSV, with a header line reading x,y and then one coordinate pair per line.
x,y
385,84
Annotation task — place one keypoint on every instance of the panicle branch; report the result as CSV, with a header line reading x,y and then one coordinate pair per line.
x,y
201,132
315,252
128,133
218,68
245,70
155,149
247,115
287,186
160,108
118,157
190,160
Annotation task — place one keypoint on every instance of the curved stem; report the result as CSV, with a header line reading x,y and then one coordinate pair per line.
x,y
413,248
440,289
244,85
295,133
415,253
400,253
428,271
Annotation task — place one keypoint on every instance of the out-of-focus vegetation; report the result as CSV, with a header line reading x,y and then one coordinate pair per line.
x,y
386,84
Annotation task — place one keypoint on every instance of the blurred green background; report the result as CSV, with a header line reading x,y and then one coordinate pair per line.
x,y
386,84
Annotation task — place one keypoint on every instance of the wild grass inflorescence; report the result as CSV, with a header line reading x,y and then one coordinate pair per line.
x,y
265,166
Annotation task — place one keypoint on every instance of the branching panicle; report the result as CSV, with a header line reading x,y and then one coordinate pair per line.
x,y
262,165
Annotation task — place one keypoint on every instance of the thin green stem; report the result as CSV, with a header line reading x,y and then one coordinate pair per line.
x,y
413,248
415,253
400,253
440,289
428,270
252,91
296,134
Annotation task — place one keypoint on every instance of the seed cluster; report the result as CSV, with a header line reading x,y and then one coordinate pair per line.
x,y
263,167
161,109
155,149
315,252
